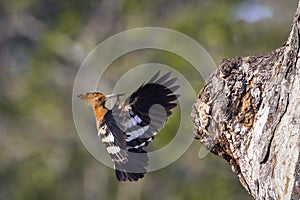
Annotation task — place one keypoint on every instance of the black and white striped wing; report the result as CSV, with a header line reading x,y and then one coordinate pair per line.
x,y
129,163
147,109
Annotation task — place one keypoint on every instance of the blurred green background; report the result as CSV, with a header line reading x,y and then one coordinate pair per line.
x,y
42,44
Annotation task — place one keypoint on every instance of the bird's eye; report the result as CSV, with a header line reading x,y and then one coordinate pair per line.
x,y
100,99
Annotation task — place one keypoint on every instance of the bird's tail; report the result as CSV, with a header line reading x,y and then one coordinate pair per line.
x,y
134,168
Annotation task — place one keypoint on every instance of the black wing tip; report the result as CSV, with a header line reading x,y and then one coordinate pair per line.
x,y
170,82
164,78
160,79
174,88
154,77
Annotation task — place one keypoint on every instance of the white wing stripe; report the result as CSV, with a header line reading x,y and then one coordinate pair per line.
x,y
137,133
137,119
102,130
109,138
113,149
133,121
141,145
130,123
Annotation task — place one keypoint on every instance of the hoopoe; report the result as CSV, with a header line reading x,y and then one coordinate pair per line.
x,y
131,125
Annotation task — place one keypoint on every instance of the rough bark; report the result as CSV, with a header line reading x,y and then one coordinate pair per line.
x,y
248,113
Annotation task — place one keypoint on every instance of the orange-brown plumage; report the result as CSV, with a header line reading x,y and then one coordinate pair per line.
x,y
99,114
97,101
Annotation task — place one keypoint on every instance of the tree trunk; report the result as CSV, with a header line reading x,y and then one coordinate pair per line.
x,y
248,113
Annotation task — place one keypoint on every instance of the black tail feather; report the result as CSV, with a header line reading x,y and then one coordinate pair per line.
x,y
127,176
134,169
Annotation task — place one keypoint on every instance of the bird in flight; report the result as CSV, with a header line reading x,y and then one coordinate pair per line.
x,y
131,125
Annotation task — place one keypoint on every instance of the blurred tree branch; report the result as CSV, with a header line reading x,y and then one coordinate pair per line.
x,y
248,113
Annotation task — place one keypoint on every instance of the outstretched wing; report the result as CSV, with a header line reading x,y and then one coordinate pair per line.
x,y
147,109
140,118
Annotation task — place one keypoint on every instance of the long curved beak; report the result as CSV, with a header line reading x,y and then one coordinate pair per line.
x,y
114,95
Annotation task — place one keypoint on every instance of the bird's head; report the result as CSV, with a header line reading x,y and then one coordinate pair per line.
x,y
96,99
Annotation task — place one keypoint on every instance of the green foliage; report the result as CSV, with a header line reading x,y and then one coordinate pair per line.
x,y
30,179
